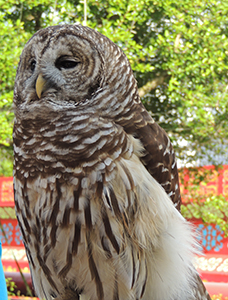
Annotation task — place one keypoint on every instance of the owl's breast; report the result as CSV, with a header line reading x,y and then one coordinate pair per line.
x,y
65,143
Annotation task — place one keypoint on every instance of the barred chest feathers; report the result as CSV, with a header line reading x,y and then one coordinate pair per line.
x,y
93,216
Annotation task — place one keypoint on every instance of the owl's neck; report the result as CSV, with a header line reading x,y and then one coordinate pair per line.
x,y
65,141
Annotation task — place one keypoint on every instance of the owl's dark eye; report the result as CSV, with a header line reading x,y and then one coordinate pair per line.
x,y
65,62
33,65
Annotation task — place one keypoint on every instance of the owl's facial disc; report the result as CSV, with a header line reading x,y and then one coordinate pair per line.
x,y
62,63
65,69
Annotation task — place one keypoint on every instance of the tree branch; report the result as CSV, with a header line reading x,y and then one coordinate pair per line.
x,y
151,85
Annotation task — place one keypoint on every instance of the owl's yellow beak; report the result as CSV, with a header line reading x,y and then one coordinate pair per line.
x,y
40,85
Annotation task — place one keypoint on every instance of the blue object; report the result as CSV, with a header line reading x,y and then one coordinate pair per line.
x,y
211,238
3,290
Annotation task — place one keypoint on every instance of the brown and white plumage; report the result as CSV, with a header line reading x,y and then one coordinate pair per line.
x,y
95,222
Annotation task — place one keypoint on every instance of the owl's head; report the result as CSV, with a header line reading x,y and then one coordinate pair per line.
x,y
69,65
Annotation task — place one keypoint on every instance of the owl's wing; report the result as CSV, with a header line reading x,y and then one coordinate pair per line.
x,y
159,157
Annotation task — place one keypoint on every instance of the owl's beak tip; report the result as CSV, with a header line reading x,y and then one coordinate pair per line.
x,y
40,85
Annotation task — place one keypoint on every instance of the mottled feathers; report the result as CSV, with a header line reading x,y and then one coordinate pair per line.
x,y
94,177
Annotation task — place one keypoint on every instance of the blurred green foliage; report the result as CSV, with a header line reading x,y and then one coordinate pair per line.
x,y
7,213
11,287
210,209
200,195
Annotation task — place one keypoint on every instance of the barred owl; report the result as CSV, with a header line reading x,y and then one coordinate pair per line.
x,y
94,176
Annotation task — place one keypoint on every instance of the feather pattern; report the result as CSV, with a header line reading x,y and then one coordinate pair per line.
x,y
92,175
